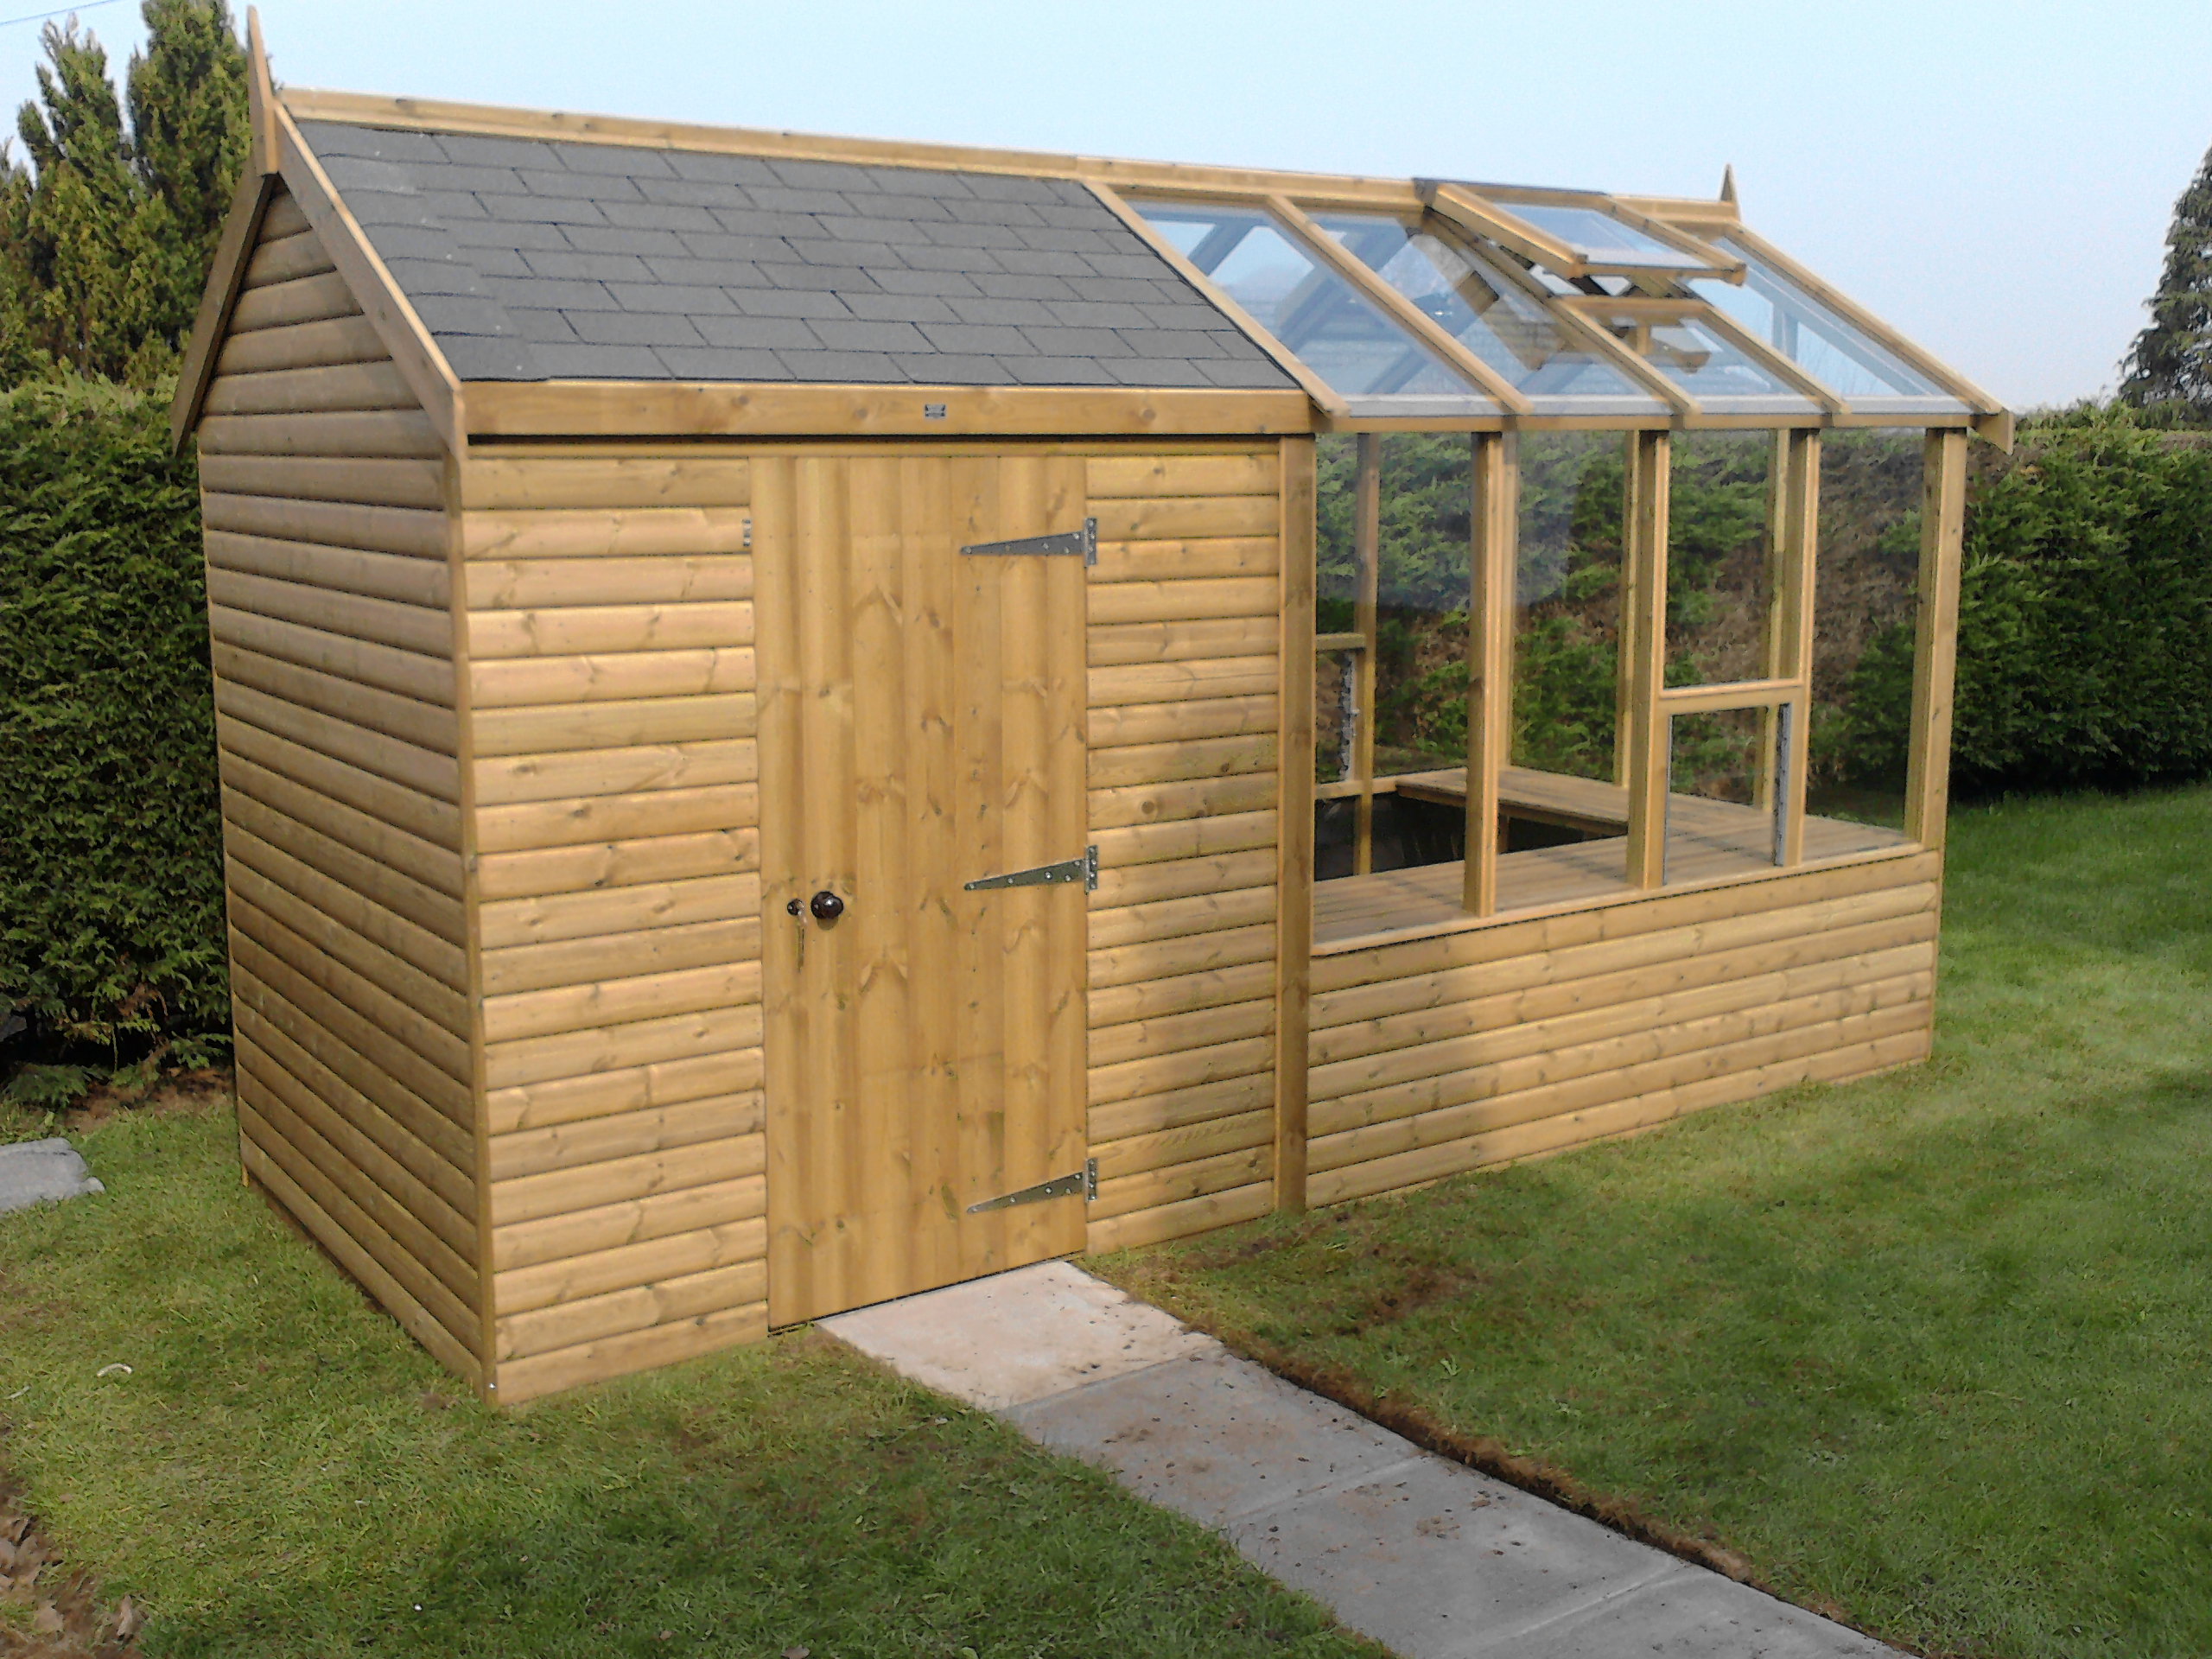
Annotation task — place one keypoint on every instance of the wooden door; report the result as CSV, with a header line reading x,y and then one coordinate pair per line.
x,y
922,727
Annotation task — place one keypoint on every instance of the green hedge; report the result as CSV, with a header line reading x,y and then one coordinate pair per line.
x,y
110,862
2085,615
2085,620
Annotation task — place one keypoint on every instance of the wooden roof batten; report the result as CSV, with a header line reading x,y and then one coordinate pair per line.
x,y
586,409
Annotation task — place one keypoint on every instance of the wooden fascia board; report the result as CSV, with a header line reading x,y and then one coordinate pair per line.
x,y
1851,312
1326,397
225,277
433,115
617,409
413,351
1397,307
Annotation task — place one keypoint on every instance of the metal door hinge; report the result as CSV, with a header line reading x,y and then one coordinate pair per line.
x,y
1084,1182
1084,541
1083,869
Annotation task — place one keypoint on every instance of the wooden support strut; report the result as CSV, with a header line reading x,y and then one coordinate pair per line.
x,y
1496,467
1796,549
1367,559
1934,659
1643,620
1294,825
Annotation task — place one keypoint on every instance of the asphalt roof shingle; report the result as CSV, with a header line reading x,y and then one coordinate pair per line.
x,y
535,260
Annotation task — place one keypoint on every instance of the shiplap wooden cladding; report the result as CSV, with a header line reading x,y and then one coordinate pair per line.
x,y
535,753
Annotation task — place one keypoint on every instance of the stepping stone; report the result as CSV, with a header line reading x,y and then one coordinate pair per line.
x,y
42,1172
1425,1555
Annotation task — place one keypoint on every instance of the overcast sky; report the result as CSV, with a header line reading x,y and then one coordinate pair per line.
x,y
1996,179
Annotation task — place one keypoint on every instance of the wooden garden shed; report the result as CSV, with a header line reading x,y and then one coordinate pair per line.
x,y
767,694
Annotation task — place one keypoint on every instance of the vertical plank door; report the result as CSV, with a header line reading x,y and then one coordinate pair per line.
x,y
922,727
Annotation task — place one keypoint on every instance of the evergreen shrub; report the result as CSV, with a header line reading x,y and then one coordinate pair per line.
x,y
110,838
2085,624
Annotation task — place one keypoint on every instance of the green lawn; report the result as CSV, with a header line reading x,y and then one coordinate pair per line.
x,y
1934,1348
283,1472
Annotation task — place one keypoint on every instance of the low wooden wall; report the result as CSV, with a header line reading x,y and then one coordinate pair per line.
x,y
1440,1054
610,680
1184,605
329,587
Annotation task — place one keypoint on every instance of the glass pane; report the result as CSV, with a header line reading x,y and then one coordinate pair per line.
x,y
1335,458
1420,663
1420,703
1496,318
1803,330
1694,356
1865,607
1719,805
1720,537
1567,647
1335,714
1337,332
1335,828
1600,239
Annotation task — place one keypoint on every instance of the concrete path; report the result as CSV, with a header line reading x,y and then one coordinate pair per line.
x,y
42,1172
1422,1553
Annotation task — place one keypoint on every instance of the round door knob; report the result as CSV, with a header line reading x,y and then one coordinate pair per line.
x,y
826,906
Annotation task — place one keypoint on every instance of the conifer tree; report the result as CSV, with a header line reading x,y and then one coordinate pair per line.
x,y
107,233
189,132
2172,359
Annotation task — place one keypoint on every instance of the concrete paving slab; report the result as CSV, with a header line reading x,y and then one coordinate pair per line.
x,y
1691,1614
1431,1558
1213,1436
1020,1336
1425,1555
44,1172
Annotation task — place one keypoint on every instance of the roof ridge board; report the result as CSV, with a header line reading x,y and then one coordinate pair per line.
x,y
433,115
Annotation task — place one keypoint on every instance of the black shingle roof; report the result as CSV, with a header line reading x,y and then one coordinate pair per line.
x,y
532,260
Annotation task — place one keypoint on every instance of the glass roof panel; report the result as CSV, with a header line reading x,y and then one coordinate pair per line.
x,y
1600,239
1808,333
1690,354
1495,317
1337,332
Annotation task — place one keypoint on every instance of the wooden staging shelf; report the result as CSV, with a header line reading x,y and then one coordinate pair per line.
x,y
1706,841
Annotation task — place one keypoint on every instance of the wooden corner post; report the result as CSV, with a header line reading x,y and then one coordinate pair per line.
x,y
1790,646
1495,463
1367,556
1643,623
1935,643
1294,823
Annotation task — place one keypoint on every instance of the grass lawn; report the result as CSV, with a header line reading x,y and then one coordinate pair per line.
x,y
1933,1349
283,1472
